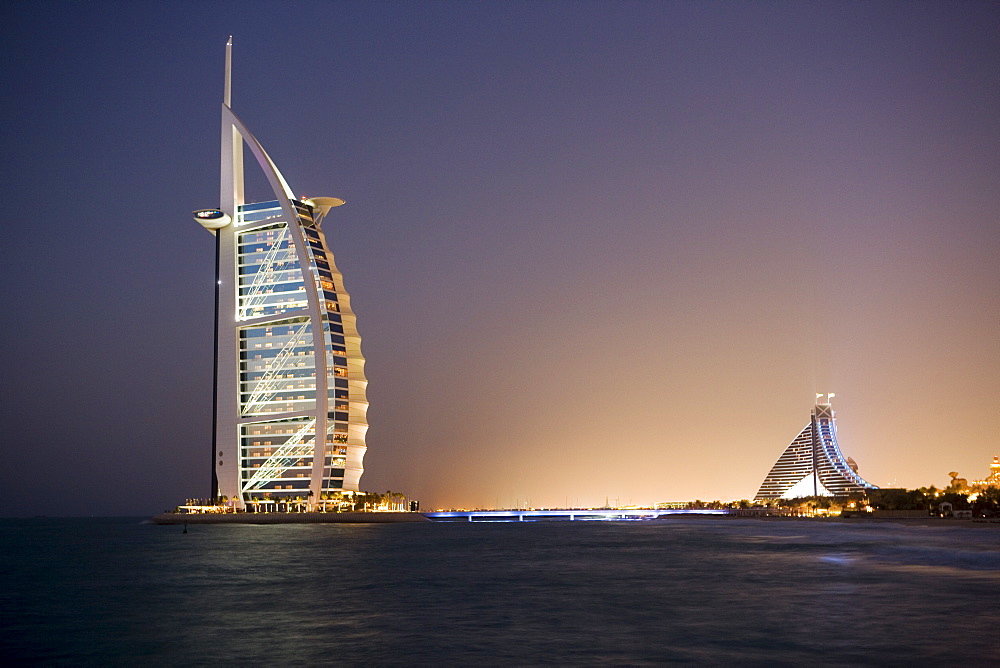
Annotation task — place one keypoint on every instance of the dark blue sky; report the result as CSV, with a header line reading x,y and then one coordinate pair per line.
x,y
596,249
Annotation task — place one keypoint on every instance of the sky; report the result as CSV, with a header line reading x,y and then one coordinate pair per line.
x,y
598,251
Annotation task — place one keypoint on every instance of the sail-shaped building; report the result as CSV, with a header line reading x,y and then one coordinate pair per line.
x,y
290,406
812,464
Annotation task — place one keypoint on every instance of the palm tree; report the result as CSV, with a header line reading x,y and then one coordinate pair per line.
x,y
339,498
399,499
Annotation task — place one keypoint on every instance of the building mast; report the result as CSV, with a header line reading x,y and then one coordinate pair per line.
x,y
227,101
226,368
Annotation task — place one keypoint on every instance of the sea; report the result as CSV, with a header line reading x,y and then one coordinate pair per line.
x,y
702,591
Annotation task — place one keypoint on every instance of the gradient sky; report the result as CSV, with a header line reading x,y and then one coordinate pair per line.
x,y
596,249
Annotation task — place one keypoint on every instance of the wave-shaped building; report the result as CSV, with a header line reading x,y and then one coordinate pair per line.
x,y
290,405
812,464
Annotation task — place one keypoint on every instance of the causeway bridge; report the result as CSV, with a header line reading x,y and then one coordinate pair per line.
x,y
570,515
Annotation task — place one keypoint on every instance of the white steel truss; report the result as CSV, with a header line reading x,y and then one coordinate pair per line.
x,y
286,455
269,384
256,296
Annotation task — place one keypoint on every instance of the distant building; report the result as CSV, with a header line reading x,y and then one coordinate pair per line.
x,y
672,505
290,405
993,479
963,486
956,484
812,465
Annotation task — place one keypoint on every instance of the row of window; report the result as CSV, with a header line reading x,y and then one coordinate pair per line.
x,y
272,307
272,288
300,485
255,368
293,350
252,376
292,472
263,452
270,409
251,449
256,365
268,353
258,206
250,270
284,396
249,388
269,283
285,301
339,416
278,339
273,330
275,437
248,244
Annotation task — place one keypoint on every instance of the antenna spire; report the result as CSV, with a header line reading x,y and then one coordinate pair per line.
x,y
227,91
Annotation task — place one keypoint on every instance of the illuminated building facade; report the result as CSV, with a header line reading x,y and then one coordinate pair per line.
x,y
290,405
812,464
991,480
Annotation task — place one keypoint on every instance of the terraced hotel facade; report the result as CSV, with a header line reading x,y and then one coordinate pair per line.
x,y
812,464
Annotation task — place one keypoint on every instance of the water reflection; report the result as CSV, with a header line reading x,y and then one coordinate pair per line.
x,y
697,591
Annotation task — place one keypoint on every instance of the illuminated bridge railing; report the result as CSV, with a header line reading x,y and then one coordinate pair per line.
x,y
560,515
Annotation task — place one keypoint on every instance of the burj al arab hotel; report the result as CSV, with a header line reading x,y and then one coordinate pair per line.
x,y
290,405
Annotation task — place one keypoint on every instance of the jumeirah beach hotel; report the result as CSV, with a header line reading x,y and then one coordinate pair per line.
x,y
290,405
812,464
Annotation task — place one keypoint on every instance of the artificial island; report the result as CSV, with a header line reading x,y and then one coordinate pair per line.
x,y
290,404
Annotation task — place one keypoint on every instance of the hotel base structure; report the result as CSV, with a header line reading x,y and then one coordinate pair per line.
x,y
812,464
290,405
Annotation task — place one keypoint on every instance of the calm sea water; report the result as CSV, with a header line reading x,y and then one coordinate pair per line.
x,y
704,591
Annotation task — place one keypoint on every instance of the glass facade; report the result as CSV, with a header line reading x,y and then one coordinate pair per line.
x,y
278,355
